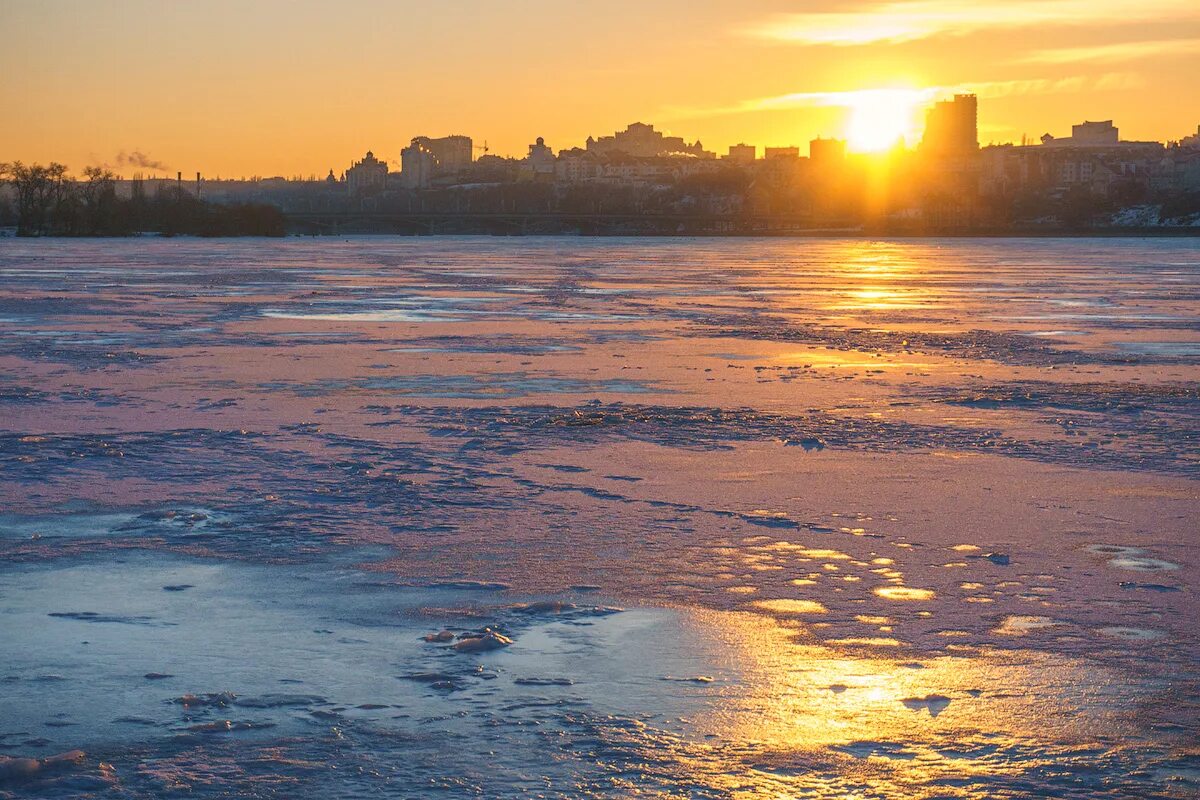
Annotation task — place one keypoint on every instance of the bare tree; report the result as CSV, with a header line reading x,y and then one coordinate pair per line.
x,y
97,195
41,193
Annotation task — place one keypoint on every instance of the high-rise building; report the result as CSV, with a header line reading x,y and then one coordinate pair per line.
x,y
417,166
453,153
827,152
951,127
426,158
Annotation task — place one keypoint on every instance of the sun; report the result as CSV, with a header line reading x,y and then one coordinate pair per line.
x,y
879,118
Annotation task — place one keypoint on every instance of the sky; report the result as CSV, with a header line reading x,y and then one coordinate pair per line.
x,y
297,87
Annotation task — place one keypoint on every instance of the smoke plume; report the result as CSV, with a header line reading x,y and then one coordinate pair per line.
x,y
137,158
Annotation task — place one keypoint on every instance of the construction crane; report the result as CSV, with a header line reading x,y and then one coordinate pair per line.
x,y
483,148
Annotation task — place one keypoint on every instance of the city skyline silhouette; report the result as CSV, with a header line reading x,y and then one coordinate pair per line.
x,y
289,88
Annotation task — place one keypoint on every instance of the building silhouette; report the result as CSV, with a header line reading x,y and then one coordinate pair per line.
x,y
540,163
417,166
642,141
773,153
366,177
1093,158
742,153
426,159
946,183
827,152
951,127
452,153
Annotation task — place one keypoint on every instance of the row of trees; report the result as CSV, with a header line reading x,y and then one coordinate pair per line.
x,y
48,201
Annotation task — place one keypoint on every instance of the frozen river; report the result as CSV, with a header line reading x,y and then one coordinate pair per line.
x,y
741,518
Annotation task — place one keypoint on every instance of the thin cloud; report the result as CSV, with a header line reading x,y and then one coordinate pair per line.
x,y
1111,53
845,99
910,20
920,96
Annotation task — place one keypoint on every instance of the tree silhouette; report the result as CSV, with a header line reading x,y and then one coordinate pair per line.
x,y
41,193
49,202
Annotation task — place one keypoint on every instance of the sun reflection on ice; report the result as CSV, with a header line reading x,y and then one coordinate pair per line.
x,y
908,722
903,593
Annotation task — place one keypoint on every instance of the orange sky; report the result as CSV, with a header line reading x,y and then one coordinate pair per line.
x,y
288,88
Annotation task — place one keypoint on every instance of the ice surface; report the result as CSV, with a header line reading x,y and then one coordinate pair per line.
x,y
599,518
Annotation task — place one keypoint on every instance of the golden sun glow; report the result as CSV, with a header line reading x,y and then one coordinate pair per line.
x,y
880,118
767,73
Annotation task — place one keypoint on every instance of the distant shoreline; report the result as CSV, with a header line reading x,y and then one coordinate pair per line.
x,y
824,233
1150,234
699,225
